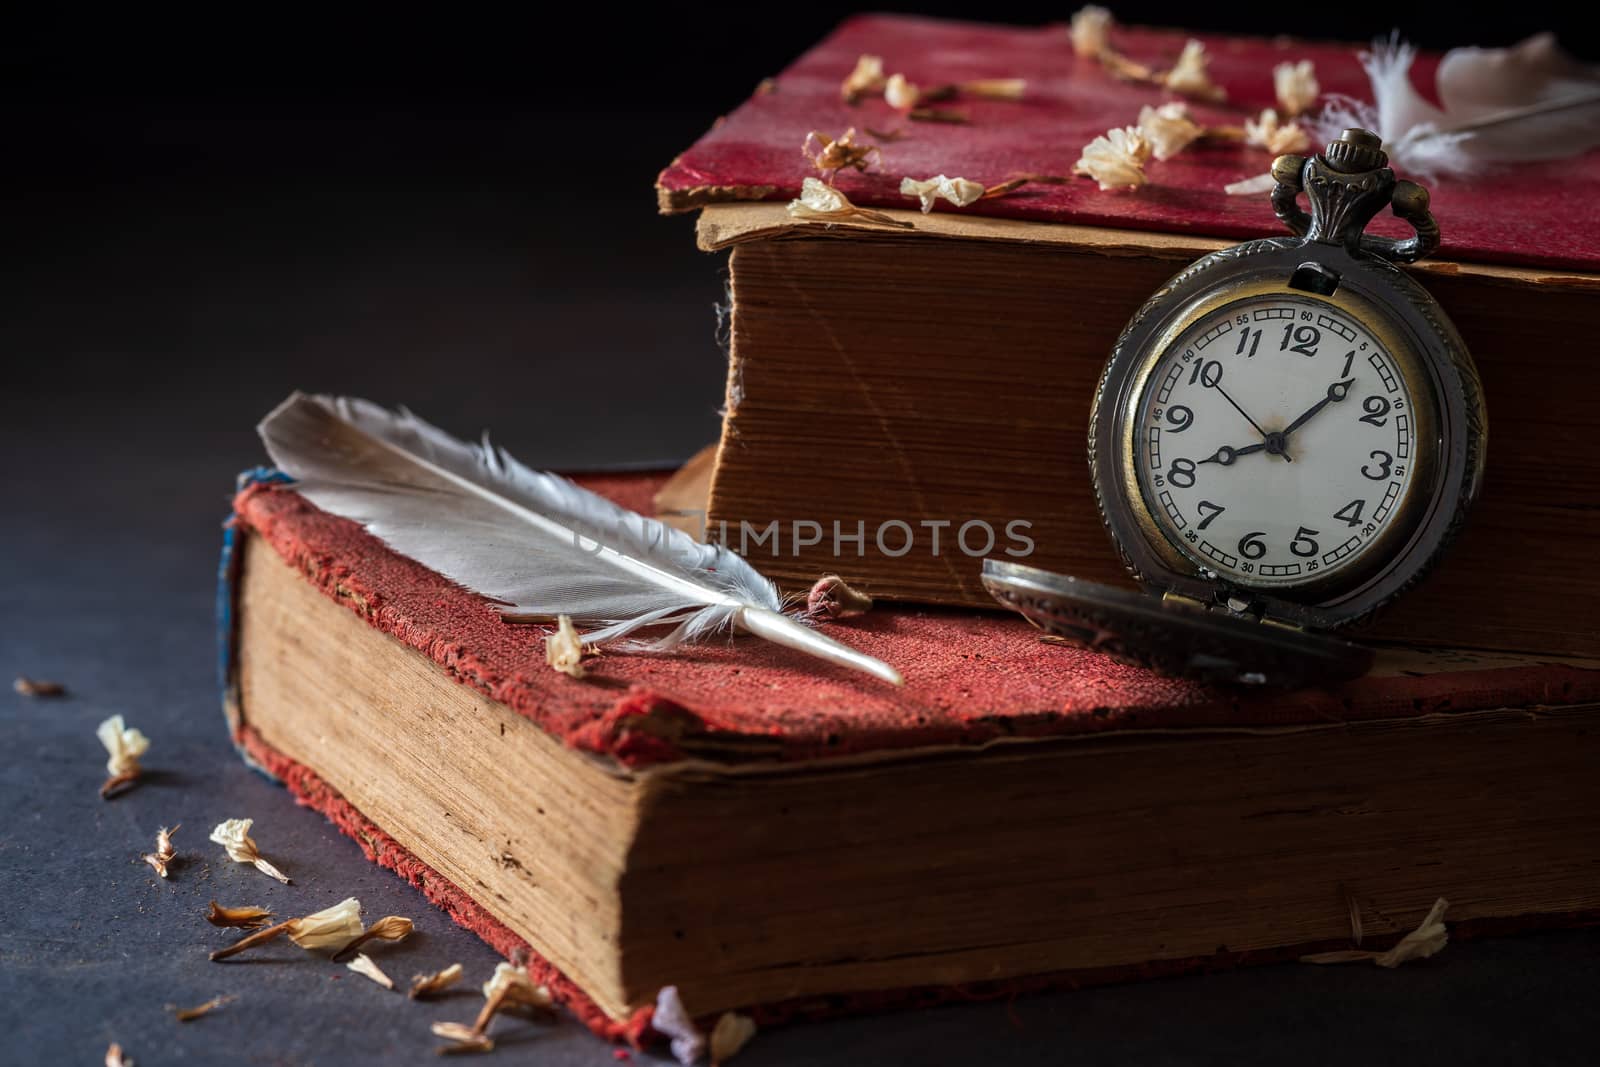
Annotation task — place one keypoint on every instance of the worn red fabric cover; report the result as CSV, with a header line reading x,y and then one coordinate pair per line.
x,y
1542,214
970,677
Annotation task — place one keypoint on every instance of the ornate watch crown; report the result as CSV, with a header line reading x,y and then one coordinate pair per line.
x,y
1347,185
1356,150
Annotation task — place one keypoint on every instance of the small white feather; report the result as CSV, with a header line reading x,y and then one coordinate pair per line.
x,y
532,542
1500,105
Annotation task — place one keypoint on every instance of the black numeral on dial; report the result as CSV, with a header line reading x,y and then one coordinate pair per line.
x,y
1385,465
1206,372
1377,411
1250,339
1306,339
1251,546
1303,544
1351,512
1182,473
1180,417
1210,511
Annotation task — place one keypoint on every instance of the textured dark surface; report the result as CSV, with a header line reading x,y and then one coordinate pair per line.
x,y
166,283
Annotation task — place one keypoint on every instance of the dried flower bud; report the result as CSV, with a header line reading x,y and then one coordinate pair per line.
x,y
1116,159
1266,132
1091,31
959,191
164,852
185,1015
866,78
427,985
234,836
124,746
1168,129
673,1020
509,987
732,1033
328,928
993,88
115,1056
364,966
821,202
1189,75
1261,183
832,598
388,928
246,918
831,155
900,93
462,1038
1428,939
35,687
563,650
1296,86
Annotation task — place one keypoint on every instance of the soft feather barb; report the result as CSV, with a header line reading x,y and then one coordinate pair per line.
x,y
1529,102
533,543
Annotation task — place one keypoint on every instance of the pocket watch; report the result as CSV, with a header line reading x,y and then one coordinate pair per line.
x,y
1287,436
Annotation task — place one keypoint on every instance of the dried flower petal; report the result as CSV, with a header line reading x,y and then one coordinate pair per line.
x,y
124,746
1116,159
1091,31
563,650
1189,75
246,918
1266,132
732,1033
831,155
959,191
115,1056
462,1038
900,93
671,1019
1168,129
364,966
1426,940
938,114
426,985
164,852
820,201
388,928
867,77
328,928
185,1015
1261,183
993,88
36,687
832,598
234,836
1296,86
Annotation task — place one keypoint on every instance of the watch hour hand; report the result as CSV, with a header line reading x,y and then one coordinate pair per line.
x,y
1225,455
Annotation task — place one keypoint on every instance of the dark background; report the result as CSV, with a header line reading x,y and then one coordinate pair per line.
x,y
205,209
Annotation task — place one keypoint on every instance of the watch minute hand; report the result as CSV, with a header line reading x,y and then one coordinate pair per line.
x,y
1336,392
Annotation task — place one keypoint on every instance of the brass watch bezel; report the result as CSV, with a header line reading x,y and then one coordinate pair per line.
x,y
1424,348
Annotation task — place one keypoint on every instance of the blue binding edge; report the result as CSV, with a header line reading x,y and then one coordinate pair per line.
x,y
227,596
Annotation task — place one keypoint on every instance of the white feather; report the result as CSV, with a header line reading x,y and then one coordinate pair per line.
x,y
533,543
1499,105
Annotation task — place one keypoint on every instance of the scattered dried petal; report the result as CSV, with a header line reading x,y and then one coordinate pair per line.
x,y
124,746
164,853
821,202
866,78
1426,940
1189,75
388,928
938,114
1296,86
35,687
328,928
246,918
1091,31
993,88
364,966
833,598
959,191
115,1056
830,155
563,650
732,1033
510,987
427,985
1168,129
900,93
234,836
1116,159
462,1038
674,1021
1266,132
184,1015
1261,183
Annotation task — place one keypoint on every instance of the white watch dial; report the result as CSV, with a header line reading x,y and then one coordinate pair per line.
x,y
1275,441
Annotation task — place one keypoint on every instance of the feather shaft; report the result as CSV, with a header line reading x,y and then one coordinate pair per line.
x,y
783,630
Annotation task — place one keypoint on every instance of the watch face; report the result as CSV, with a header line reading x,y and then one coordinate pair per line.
x,y
1276,441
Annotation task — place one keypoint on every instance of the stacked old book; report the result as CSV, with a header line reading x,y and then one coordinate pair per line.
x,y
769,835
940,373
